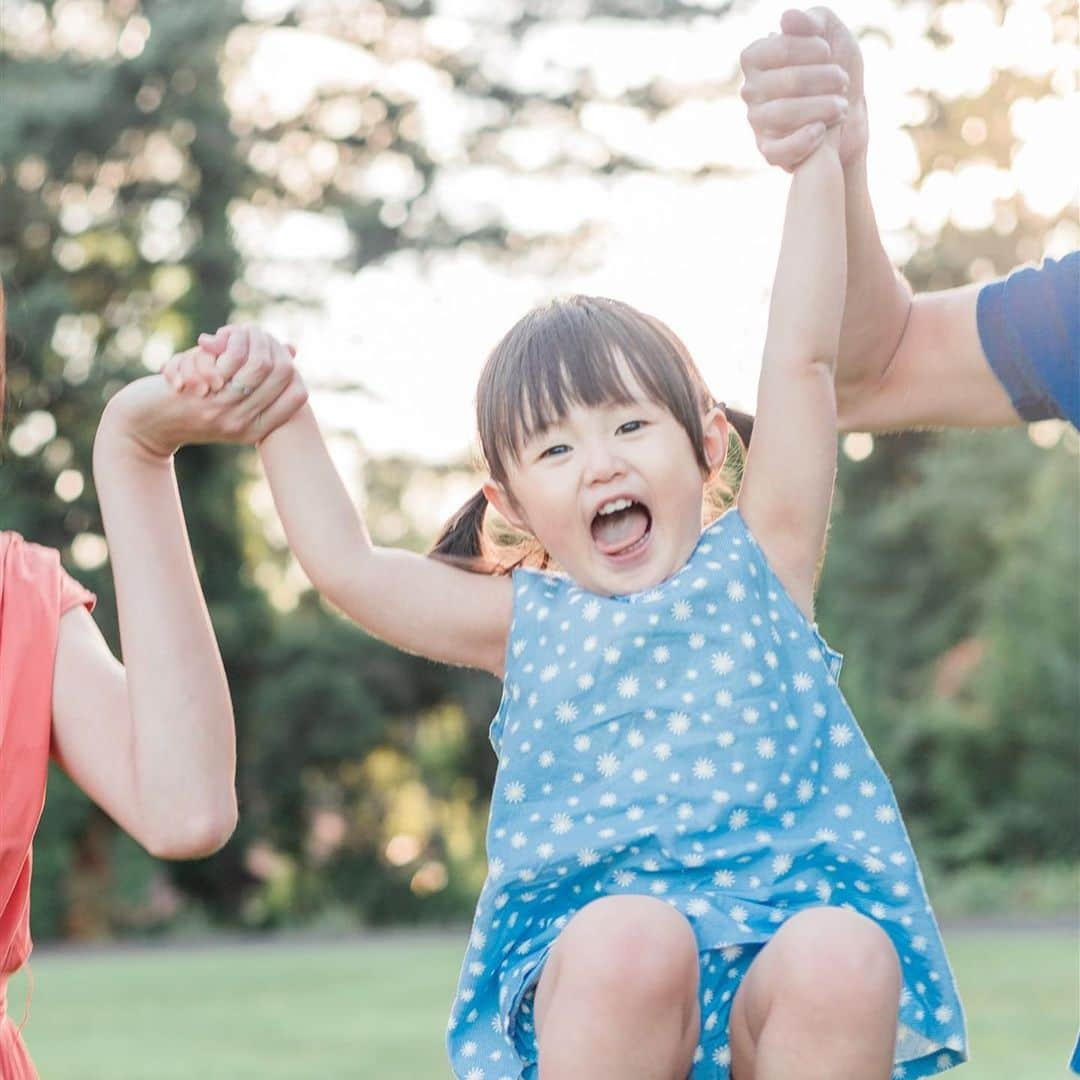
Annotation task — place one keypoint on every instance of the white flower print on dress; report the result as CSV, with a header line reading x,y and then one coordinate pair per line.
x,y
566,712
678,723
781,864
607,765
840,734
722,663
704,769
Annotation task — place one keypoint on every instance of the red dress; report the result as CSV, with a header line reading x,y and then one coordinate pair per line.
x,y
34,593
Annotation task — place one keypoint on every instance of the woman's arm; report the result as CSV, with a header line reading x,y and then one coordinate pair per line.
x,y
787,484
152,741
418,603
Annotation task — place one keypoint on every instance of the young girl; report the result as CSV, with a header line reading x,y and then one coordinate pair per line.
x,y
695,865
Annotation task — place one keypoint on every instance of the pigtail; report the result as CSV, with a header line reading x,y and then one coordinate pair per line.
x,y
743,423
462,544
462,538
723,483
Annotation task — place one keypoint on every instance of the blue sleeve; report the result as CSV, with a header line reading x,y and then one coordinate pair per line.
x,y
1029,326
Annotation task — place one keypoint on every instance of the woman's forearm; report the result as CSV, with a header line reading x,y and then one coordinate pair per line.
x,y
184,748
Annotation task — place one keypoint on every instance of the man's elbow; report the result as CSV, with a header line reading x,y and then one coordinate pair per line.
x,y
853,397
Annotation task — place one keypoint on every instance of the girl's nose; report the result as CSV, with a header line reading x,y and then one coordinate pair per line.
x,y
602,463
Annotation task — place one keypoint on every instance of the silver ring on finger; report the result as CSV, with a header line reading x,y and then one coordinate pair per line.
x,y
239,387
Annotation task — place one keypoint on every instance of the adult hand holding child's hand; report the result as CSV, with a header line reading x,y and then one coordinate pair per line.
x,y
809,74
240,384
235,388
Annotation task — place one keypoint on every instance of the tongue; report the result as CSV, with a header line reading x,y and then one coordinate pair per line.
x,y
614,532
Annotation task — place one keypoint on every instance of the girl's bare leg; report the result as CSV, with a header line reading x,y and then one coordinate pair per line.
x,y
820,1002
618,998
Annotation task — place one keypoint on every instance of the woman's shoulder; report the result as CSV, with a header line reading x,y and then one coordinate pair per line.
x,y
34,570
20,556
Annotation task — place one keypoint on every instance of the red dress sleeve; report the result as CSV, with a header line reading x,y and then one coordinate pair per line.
x,y
72,594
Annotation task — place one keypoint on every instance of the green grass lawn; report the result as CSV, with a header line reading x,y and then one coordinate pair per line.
x,y
377,1008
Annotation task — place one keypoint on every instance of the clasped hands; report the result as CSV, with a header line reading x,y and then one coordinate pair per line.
x,y
236,386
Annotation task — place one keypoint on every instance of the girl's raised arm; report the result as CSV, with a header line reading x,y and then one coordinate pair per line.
x,y
790,469
418,603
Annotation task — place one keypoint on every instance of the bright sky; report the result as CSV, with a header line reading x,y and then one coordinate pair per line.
x,y
700,254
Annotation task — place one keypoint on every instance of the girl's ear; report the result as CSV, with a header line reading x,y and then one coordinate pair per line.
x,y
715,428
503,501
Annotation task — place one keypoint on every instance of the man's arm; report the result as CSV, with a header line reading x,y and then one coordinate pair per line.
x,y
937,374
903,362
981,355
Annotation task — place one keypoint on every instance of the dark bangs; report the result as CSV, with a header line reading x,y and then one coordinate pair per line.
x,y
570,352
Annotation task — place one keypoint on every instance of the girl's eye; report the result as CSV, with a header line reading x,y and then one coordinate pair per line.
x,y
554,451
631,426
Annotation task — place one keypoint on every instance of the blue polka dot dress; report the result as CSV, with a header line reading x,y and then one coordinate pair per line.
x,y
688,743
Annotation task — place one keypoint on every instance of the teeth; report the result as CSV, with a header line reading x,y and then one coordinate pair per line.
x,y
615,505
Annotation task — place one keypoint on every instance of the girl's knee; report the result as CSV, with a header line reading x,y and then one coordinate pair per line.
x,y
638,948
842,958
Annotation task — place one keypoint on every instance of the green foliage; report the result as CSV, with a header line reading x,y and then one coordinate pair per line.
x,y
959,578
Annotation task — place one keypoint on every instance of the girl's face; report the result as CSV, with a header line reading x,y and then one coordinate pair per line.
x,y
613,492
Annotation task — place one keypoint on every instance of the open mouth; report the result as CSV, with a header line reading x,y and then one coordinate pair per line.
x,y
621,527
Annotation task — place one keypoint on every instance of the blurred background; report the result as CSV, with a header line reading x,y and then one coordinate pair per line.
x,y
389,186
